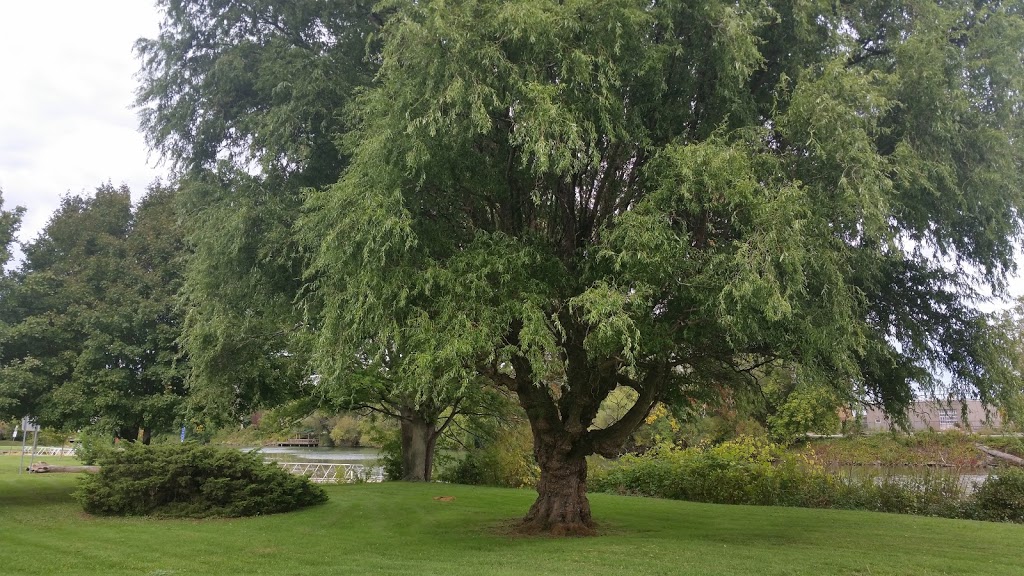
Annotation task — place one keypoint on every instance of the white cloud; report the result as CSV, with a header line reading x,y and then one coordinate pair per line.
x,y
66,117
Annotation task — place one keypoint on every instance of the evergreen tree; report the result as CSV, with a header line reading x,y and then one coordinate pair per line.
x,y
10,222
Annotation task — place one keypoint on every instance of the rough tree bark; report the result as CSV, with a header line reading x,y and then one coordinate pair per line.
x,y
561,418
562,507
420,425
419,437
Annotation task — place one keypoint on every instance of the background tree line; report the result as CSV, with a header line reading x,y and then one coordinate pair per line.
x,y
89,319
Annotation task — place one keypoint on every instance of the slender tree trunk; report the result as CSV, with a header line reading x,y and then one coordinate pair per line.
x,y
418,440
561,508
428,462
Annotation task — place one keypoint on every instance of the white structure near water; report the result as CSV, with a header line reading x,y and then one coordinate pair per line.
x,y
38,451
327,473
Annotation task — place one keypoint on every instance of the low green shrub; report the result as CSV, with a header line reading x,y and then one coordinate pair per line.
x,y
187,480
391,454
742,471
928,493
758,472
92,445
469,469
507,460
1000,497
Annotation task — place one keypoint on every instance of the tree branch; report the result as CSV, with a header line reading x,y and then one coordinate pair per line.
x,y
608,441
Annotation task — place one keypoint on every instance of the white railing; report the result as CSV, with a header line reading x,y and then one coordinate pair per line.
x,y
323,473
40,451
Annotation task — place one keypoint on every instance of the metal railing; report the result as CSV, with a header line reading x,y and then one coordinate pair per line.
x,y
39,451
324,473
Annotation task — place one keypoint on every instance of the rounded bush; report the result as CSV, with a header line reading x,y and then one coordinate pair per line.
x,y
1000,497
192,481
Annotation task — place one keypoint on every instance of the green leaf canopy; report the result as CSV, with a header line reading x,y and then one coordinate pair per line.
x,y
565,197
91,317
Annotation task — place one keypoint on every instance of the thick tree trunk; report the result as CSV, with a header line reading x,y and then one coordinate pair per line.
x,y
418,440
147,435
561,508
561,418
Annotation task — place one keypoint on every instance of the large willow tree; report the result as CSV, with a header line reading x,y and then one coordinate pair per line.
x,y
562,198
242,99
246,99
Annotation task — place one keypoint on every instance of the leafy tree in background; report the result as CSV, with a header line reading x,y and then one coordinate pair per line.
x,y
1009,333
793,412
565,197
92,320
10,222
231,89
246,99
241,322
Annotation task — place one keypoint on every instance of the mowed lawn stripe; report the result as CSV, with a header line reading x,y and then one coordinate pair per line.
x,y
397,528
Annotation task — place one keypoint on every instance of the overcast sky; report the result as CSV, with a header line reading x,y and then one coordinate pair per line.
x,y
66,123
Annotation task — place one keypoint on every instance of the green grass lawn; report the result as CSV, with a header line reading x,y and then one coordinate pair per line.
x,y
399,528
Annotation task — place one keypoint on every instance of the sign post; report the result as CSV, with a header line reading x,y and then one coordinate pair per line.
x,y
28,424
21,465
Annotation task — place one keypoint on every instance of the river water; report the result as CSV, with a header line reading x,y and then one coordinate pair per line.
x,y
968,478
363,456
326,465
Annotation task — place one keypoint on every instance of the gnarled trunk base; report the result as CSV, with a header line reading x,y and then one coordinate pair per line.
x,y
561,508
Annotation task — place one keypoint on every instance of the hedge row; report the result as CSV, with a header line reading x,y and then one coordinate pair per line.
x,y
757,472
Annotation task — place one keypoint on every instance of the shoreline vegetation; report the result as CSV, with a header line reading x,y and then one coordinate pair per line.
x,y
931,474
927,474
922,449
952,450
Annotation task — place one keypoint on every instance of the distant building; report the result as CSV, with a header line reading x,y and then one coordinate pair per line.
x,y
938,416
